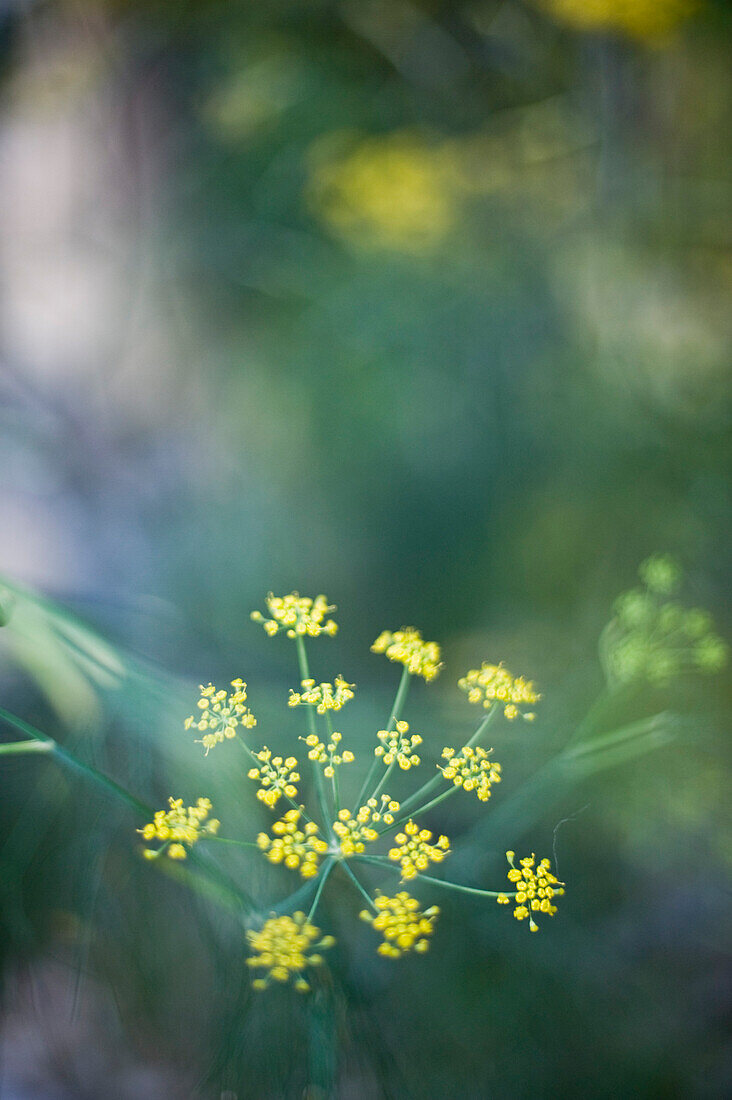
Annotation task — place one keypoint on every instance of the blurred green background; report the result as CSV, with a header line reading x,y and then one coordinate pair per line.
x,y
423,305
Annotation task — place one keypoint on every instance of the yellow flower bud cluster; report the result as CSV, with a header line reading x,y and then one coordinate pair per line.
x,y
276,777
294,846
535,887
407,647
355,832
328,754
491,684
472,769
396,745
322,696
297,615
179,828
414,851
284,948
401,923
221,714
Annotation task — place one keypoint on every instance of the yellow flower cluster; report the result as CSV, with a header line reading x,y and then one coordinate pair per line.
x,y
535,887
401,923
414,851
491,684
328,754
397,745
293,846
283,948
297,614
221,714
276,777
355,832
638,18
408,648
322,696
472,769
179,828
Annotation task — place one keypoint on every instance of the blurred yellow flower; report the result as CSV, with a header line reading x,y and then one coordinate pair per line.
x,y
385,191
414,852
179,828
407,647
282,947
401,923
638,18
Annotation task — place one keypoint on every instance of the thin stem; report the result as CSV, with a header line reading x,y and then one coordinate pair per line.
x,y
327,868
238,843
302,659
357,884
334,777
396,711
26,746
385,863
422,809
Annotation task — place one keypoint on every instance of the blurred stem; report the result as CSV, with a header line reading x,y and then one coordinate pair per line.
x,y
396,711
385,863
302,658
68,760
26,746
334,777
357,884
322,1044
422,809
326,870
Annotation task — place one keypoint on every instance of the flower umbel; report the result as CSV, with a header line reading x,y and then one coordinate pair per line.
x,y
399,745
179,828
491,684
296,614
283,947
294,846
276,777
407,647
414,851
535,887
322,696
472,769
355,832
221,714
401,923
328,754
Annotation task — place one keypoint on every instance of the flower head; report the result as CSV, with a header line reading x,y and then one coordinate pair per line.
x,y
329,754
297,615
179,828
491,684
407,647
472,769
322,696
398,745
276,777
294,846
414,851
401,923
284,948
221,714
355,832
535,887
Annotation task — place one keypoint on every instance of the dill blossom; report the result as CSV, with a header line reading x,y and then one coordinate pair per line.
x,y
401,923
472,769
221,714
408,648
534,887
494,684
643,19
297,615
397,746
285,947
276,777
179,828
651,637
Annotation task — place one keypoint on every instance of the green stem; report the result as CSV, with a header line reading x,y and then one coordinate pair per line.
x,y
334,777
238,843
385,863
302,659
396,711
26,746
327,868
422,809
358,885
